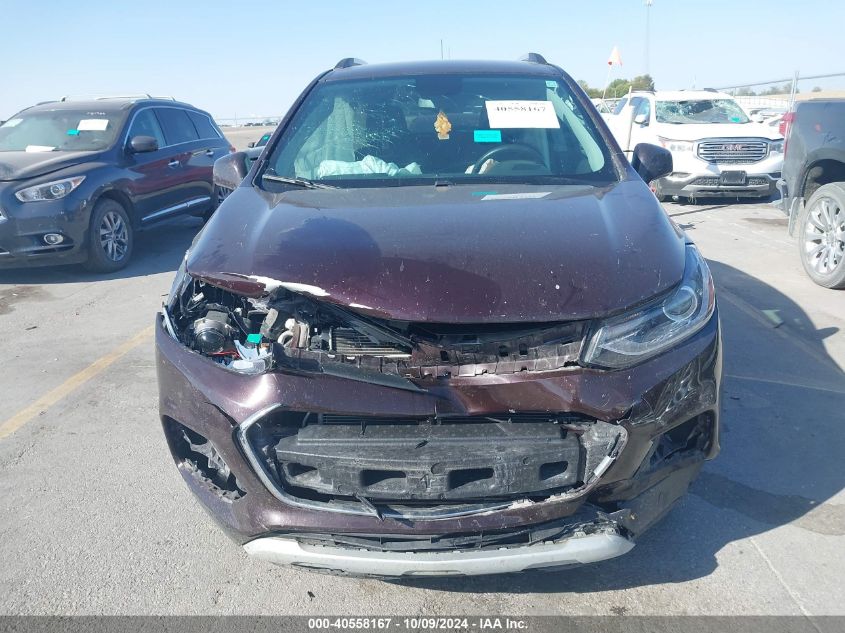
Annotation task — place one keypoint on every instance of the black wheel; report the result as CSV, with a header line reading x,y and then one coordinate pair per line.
x,y
110,237
821,237
219,195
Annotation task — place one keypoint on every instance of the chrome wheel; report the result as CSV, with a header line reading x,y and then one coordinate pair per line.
x,y
222,194
114,236
824,236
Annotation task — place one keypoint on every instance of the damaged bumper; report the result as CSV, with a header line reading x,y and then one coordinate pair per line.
x,y
566,553
335,472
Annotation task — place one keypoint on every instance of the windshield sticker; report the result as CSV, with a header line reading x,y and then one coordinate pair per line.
x,y
11,123
551,83
39,148
92,125
487,136
73,132
517,196
521,114
442,126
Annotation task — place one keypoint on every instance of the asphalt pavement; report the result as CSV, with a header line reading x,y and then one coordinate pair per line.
x,y
95,519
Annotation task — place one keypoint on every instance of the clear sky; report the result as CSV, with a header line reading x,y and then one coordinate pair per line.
x,y
252,58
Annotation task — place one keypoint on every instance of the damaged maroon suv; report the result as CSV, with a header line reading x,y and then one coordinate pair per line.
x,y
441,327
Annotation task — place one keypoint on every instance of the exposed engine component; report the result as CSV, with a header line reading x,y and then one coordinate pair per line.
x,y
292,331
212,333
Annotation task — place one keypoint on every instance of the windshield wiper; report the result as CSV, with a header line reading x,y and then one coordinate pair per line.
x,y
298,182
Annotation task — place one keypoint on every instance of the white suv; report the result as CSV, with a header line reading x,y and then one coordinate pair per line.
x,y
716,149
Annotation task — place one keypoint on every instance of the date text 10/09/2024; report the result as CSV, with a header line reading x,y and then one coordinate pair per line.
x,y
416,624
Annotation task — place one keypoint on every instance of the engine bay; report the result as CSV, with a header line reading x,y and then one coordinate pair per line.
x,y
288,330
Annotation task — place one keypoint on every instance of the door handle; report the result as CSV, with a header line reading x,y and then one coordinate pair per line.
x,y
209,152
173,163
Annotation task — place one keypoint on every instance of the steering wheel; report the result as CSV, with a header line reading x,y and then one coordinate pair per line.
x,y
516,148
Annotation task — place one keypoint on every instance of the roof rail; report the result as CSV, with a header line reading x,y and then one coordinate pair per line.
x,y
709,90
143,95
348,62
534,58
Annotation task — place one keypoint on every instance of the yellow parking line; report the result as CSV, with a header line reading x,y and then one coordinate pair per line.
x,y
74,382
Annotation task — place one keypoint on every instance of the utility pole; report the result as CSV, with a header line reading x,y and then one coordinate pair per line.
x,y
648,4
441,49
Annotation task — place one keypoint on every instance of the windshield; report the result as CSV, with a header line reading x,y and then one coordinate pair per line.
x,y
700,111
60,130
428,128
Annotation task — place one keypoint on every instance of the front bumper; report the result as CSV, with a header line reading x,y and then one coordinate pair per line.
x,y
566,553
708,185
23,226
650,402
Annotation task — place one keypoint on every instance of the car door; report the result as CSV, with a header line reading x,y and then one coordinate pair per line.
x,y
641,131
154,179
211,147
191,192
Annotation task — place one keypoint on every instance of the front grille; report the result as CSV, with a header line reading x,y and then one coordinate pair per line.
x,y
517,418
710,181
425,465
733,151
349,342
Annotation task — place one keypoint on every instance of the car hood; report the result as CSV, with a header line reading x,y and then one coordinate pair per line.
x,y
698,131
448,255
24,165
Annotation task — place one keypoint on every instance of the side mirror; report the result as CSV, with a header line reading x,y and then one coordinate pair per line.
x,y
143,144
251,144
230,170
641,119
651,161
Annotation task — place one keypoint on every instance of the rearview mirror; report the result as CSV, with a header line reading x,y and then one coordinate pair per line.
x,y
230,170
641,119
142,144
651,161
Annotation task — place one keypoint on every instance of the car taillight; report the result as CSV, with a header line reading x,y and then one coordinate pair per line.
x,y
783,128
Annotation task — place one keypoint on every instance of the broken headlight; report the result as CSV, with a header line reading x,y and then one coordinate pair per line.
x,y
633,337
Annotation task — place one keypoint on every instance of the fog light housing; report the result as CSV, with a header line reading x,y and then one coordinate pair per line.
x,y
53,238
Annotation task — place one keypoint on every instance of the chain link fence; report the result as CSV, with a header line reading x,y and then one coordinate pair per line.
x,y
763,98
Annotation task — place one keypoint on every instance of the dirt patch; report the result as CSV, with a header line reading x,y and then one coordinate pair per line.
x,y
11,297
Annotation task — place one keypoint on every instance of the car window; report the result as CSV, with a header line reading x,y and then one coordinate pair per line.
x,y
146,124
176,125
417,129
643,108
620,105
60,130
205,128
700,111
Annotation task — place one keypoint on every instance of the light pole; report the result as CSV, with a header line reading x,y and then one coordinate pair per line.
x,y
648,4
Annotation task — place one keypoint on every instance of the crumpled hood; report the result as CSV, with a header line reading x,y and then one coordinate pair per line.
x,y
458,255
24,165
699,131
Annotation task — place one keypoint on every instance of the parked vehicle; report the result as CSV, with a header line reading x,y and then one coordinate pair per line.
x,y
79,178
440,327
717,151
813,187
260,142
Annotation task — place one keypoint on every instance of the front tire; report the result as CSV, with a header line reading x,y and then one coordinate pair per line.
x,y
219,195
111,237
821,237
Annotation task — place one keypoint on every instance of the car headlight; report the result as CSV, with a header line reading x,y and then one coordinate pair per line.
x,y
179,282
49,190
676,146
776,147
630,338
